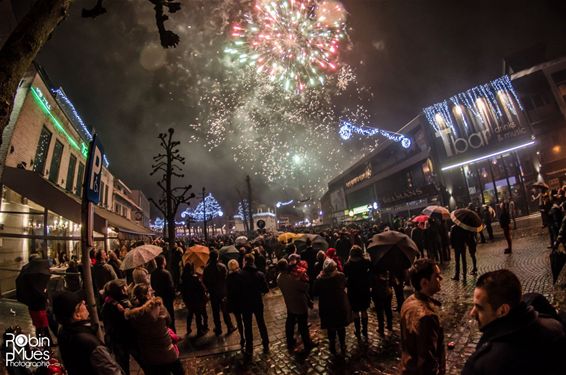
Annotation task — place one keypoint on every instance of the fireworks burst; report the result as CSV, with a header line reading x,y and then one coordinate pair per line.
x,y
292,42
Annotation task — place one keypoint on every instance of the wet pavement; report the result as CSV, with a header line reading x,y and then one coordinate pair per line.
x,y
380,354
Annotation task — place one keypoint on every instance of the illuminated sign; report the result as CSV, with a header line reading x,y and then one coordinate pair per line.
x,y
356,180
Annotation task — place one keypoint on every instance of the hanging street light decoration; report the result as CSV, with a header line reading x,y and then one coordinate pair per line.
x,y
347,129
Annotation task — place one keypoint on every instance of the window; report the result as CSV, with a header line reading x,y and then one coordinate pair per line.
x,y
101,193
56,162
71,173
42,150
80,177
560,80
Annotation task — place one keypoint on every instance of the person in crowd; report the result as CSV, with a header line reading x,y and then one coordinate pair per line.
x,y
162,284
472,244
115,263
422,335
260,261
505,223
357,272
309,256
343,246
73,277
444,240
195,299
297,300
81,351
487,219
458,239
515,338
555,220
102,272
118,335
234,296
331,253
141,274
432,239
254,286
155,342
333,306
418,236
214,279
382,296
320,258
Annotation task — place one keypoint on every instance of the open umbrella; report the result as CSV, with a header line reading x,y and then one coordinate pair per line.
x,y
228,252
140,255
197,255
420,219
317,241
287,236
467,219
437,210
31,283
392,251
540,185
557,261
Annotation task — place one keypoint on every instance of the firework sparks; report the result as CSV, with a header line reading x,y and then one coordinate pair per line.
x,y
294,43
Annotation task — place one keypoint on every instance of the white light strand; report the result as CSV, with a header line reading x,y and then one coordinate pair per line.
x,y
346,130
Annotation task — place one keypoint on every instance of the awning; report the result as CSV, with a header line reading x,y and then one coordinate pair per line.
x,y
32,186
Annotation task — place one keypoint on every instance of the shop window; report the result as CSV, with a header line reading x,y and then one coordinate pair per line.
x,y
71,173
56,161
560,81
80,177
42,150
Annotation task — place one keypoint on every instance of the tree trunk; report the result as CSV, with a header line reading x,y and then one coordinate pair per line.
x,y
22,46
250,214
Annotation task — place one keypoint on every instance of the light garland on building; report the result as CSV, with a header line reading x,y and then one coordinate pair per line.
x,y
210,206
486,97
347,129
279,204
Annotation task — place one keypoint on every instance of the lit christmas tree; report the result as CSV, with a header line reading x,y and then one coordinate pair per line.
x,y
212,206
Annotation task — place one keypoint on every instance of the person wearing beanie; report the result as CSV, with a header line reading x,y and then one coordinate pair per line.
x,y
81,351
214,278
331,254
234,296
118,334
333,305
357,272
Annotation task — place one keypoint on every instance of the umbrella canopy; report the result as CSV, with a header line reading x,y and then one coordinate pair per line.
x,y
317,241
242,240
467,220
540,185
32,281
139,256
437,210
288,236
197,255
420,219
392,251
228,252
557,261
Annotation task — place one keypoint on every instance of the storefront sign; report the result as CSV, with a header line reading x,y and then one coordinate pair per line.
x,y
356,180
406,195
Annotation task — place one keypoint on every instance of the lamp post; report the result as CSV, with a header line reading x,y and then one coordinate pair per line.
x,y
204,214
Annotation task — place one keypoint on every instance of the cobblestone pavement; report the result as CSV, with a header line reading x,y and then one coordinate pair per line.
x,y
380,355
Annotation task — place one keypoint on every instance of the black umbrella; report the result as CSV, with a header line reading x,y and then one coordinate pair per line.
x,y
392,251
557,261
467,219
32,281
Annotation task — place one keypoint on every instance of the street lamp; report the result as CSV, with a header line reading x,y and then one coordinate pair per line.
x,y
204,214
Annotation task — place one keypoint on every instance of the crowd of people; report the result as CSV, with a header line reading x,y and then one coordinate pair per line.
x,y
137,306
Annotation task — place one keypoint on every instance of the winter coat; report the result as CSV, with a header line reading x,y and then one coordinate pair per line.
x,y
309,256
358,278
116,328
101,274
214,278
333,305
343,246
458,237
253,288
193,292
162,283
149,324
418,236
422,337
522,342
234,292
83,353
295,293
504,219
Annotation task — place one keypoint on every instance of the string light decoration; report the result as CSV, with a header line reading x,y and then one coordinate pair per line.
x,y
347,129
491,96
280,204
292,42
71,111
210,206
243,210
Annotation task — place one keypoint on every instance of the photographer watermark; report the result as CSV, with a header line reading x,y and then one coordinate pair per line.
x,y
27,350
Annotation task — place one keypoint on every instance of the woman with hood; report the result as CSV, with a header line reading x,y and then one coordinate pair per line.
x,y
155,341
333,306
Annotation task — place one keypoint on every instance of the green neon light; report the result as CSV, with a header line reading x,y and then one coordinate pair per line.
x,y
45,107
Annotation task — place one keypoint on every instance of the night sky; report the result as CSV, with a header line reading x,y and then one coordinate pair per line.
x,y
405,54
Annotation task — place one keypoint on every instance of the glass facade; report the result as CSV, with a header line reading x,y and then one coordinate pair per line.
x,y
56,162
42,150
80,177
71,173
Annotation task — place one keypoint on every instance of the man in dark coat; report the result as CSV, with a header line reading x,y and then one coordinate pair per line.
x,y
309,256
459,240
254,286
81,351
214,278
296,295
162,284
102,272
422,336
516,339
343,246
